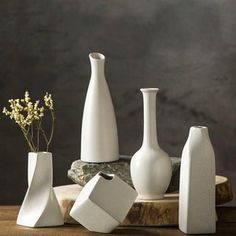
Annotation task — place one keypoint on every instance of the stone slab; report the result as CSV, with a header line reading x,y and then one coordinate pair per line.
x,y
81,172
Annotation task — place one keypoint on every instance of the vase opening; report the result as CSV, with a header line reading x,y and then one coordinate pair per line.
x,y
105,176
200,127
149,89
96,56
42,152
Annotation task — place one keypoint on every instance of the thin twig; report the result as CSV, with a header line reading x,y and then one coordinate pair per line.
x,y
44,134
52,129
38,134
27,130
31,140
31,145
32,130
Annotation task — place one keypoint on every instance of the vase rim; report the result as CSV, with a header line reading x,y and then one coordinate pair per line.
x,y
43,152
96,56
106,176
199,127
149,89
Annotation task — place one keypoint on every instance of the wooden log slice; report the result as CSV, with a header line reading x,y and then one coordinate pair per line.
x,y
162,212
224,191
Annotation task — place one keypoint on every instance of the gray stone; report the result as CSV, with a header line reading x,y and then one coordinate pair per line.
x,y
81,172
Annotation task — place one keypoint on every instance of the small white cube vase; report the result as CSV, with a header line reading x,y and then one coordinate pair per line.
x,y
103,203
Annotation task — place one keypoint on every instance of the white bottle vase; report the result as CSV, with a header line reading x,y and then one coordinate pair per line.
x,y
151,167
40,207
197,184
99,137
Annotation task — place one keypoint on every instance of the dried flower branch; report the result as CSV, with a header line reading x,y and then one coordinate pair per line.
x,y
28,115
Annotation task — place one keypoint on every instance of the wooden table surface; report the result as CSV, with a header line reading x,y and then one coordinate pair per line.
x,y
226,225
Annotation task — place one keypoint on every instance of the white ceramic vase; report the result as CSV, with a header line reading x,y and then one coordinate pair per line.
x,y
40,207
103,203
151,167
99,137
197,184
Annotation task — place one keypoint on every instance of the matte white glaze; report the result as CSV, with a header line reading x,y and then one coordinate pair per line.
x,y
40,207
99,137
151,167
103,203
197,184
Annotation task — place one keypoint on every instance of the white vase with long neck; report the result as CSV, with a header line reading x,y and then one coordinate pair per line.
x,y
197,184
99,137
40,207
151,167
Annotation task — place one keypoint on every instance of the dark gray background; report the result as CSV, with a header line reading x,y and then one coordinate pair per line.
x,y
186,48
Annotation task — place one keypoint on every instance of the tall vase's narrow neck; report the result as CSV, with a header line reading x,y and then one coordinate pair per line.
x,y
97,61
149,115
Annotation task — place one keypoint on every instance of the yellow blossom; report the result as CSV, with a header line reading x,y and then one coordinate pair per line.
x,y
28,115
48,101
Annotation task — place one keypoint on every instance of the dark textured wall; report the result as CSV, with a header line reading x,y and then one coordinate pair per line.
x,y
186,48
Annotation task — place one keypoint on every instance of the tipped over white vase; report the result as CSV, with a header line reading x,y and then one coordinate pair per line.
x,y
99,137
103,203
40,207
197,184
150,167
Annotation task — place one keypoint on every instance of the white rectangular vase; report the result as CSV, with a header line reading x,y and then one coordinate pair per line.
x,y
197,184
103,203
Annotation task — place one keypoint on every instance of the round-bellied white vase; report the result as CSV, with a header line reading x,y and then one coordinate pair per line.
x,y
40,207
197,184
99,136
151,167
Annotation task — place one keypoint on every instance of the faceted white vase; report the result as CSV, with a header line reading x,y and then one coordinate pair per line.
x,y
150,167
103,203
99,138
40,207
197,184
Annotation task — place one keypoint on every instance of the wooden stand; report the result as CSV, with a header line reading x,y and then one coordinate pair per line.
x,y
162,212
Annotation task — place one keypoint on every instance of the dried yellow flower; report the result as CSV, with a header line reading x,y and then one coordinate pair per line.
x,y
28,115
48,101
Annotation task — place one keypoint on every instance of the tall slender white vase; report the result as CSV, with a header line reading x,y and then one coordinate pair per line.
x,y
40,207
99,137
150,168
197,184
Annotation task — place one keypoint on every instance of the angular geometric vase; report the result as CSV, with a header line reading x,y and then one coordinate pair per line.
x,y
103,203
150,167
197,184
40,207
99,137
